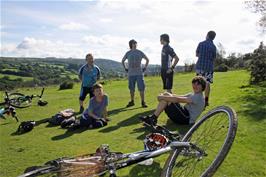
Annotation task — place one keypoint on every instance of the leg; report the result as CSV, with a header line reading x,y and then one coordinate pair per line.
x,y
160,108
141,88
82,98
207,93
132,95
131,87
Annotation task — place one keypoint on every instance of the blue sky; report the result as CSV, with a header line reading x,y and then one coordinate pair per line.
x,y
104,27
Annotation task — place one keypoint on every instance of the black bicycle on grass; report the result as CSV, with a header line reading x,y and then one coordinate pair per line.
x,y
7,108
20,100
199,152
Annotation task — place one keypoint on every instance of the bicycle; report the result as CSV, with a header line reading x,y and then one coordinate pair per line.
x,y
20,100
199,152
8,108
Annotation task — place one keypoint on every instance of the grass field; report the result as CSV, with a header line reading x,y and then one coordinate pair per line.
x,y
125,133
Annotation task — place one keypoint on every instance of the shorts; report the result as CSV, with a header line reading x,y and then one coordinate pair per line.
x,y
167,79
177,113
84,91
87,121
132,82
207,75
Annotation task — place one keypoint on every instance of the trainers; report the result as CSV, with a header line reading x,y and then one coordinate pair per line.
x,y
81,109
150,120
143,104
131,103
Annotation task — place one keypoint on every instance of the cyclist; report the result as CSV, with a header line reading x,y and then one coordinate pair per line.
x,y
170,103
167,68
88,74
206,53
135,72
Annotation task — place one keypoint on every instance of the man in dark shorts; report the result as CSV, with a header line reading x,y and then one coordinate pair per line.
x,y
170,103
88,74
167,69
135,72
206,53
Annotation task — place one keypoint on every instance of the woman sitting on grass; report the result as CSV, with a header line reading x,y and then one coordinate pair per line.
x,y
95,115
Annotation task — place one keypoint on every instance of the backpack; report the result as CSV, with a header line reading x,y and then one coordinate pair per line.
x,y
25,126
58,118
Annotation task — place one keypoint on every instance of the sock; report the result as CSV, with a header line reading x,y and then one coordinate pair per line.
x,y
206,99
154,116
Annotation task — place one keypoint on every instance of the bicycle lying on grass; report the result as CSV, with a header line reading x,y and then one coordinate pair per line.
x,y
20,100
7,109
199,153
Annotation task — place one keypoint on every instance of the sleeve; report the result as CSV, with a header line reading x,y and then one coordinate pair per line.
x,y
171,52
195,99
125,57
98,72
143,55
198,50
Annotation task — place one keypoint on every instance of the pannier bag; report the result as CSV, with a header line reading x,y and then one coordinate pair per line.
x,y
58,118
25,126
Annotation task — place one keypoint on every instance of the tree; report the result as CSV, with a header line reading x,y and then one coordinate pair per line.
x,y
258,6
258,65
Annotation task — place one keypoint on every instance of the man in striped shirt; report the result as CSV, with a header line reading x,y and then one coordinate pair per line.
x,y
206,53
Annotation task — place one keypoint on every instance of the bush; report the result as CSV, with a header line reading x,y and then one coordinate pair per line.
x,y
221,68
66,85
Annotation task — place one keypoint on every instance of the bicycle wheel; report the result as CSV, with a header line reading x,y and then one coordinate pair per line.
x,y
38,170
19,100
213,134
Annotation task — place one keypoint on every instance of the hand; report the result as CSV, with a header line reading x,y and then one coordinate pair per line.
x,y
126,69
170,70
144,69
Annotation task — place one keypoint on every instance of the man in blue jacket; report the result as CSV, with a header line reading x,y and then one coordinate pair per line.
x,y
88,74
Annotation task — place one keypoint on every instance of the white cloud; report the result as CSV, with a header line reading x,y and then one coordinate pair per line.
x,y
73,26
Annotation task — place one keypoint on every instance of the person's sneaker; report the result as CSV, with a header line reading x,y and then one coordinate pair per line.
x,y
81,109
143,104
150,120
131,103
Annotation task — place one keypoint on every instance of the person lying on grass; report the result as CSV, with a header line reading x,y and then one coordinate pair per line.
x,y
95,115
170,103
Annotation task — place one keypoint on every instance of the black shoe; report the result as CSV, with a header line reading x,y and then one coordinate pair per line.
x,y
150,120
131,103
143,104
81,109
206,104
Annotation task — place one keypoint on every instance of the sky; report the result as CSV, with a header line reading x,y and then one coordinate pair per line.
x,y
71,29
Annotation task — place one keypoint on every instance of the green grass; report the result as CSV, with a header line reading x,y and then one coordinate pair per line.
x,y
124,133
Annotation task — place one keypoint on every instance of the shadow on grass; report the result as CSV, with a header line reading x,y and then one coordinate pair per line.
x,y
127,122
68,133
118,110
254,100
146,171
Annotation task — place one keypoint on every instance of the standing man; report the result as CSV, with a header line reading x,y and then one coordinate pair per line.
x,y
88,74
135,71
167,68
206,53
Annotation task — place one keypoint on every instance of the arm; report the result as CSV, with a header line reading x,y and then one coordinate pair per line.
x,y
123,62
175,62
80,73
147,62
174,99
197,51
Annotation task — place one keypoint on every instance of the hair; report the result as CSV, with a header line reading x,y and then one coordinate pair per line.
x,y
131,42
165,37
211,34
89,55
97,86
200,80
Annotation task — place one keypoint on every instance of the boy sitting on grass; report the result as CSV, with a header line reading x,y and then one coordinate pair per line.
x,y
95,115
170,103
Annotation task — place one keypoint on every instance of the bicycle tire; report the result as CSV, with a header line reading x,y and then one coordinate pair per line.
x,y
38,170
19,100
174,162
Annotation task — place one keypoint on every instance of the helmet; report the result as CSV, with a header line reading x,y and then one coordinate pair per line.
x,y
155,141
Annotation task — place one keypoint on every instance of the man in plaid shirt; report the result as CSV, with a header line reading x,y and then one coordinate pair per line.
x,y
206,53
